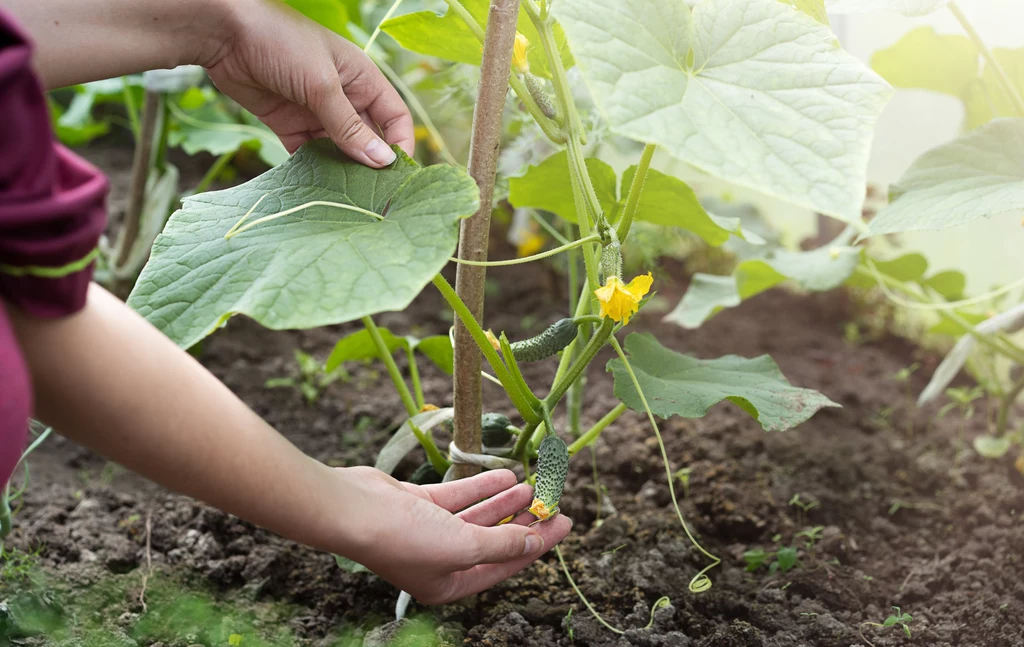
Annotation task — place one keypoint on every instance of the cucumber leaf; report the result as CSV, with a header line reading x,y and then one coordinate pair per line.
x,y
978,175
926,60
680,385
447,36
316,267
749,91
905,7
818,270
359,346
548,185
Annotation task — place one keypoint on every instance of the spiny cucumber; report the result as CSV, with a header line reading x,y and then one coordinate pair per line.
x,y
556,337
425,474
552,469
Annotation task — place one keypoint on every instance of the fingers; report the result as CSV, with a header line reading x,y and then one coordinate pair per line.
x,y
486,575
496,508
372,94
459,494
344,125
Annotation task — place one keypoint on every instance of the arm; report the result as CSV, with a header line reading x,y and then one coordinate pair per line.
x,y
300,79
104,377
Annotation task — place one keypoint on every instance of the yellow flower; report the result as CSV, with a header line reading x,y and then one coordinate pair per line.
x,y
540,510
494,340
532,243
620,301
422,134
519,53
428,407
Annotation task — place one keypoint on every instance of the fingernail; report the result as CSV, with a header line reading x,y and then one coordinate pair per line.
x,y
380,152
533,544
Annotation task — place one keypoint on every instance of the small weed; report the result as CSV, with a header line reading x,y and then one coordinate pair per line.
x,y
683,476
568,626
811,535
783,559
312,380
897,618
17,565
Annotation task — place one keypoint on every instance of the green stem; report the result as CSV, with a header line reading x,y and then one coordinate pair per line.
x,y
590,259
554,233
438,461
591,435
550,128
534,257
389,362
635,189
376,30
517,375
990,60
1006,403
131,109
700,582
414,377
215,169
580,364
520,401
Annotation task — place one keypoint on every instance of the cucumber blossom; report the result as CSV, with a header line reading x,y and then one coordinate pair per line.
x,y
494,429
556,337
552,468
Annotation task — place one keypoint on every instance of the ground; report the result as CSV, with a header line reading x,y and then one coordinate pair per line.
x,y
903,521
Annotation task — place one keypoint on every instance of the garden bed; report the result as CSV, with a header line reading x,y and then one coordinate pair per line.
x,y
902,521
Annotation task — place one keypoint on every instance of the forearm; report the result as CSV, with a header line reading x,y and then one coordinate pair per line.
x,y
85,40
107,379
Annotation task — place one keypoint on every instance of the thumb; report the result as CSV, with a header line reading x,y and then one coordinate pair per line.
x,y
346,128
499,544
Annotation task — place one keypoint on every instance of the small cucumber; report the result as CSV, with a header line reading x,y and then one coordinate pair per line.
x,y
494,429
611,259
552,468
557,336
425,474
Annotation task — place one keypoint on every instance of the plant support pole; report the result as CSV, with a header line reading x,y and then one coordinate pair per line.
x,y
474,232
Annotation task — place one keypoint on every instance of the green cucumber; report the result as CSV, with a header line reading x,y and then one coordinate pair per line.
x,y
552,469
494,429
556,337
425,474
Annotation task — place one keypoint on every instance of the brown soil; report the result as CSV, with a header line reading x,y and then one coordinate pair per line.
x,y
903,522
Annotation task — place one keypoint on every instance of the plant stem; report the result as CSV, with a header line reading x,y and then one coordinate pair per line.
x,y
515,373
376,30
580,364
990,60
495,70
142,163
430,448
389,362
591,435
1006,404
214,171
533,257
130,108
500,370
635,189
550,128
414,377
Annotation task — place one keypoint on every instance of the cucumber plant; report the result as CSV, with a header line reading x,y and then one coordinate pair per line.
x,y
755,92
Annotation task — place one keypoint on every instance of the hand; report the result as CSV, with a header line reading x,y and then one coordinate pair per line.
x,y
305,82
408,534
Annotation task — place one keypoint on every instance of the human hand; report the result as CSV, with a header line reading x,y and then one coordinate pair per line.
x,y
415,537
306,82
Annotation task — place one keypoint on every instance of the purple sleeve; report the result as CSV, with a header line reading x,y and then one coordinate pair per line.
x,y
52,212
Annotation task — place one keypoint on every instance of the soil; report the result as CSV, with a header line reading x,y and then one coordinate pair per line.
x,y
904,521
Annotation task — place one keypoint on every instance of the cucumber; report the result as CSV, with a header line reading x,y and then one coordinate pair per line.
x,y
552,468
536,88
611,259
556,337
494,429
425,474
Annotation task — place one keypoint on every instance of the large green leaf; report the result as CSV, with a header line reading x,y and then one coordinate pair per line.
x,y
320,266
665,200
548,185
981,174
332,14
813,8
818,270
986,100
680,385
447,36
359,346
905,7
213,128
926,60
750,91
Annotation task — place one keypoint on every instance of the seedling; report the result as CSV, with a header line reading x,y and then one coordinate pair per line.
x,y
803,506
312,380
897,619
811,535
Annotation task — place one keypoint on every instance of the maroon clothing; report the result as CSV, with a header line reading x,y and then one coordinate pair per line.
x,y
52,213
